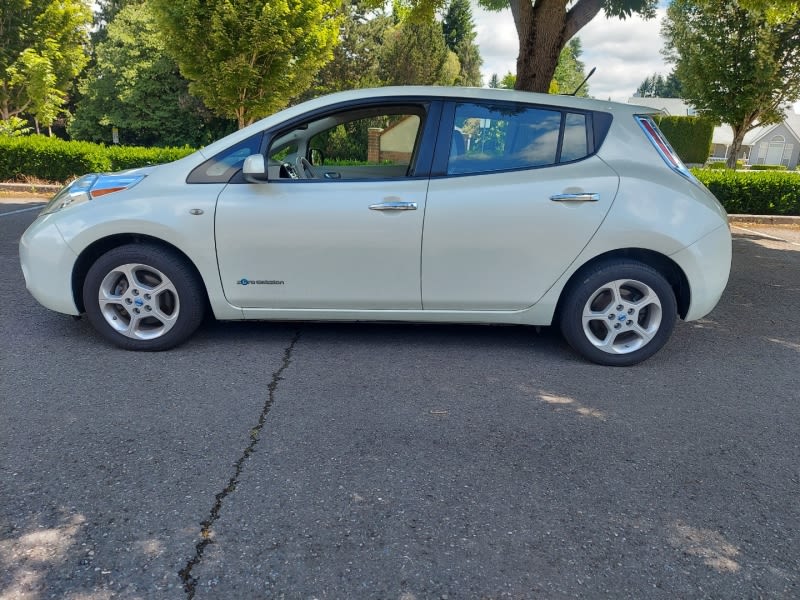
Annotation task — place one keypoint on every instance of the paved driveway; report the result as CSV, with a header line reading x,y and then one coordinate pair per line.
x,y
403,462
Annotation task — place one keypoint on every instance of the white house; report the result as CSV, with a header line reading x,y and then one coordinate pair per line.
x,y
768,145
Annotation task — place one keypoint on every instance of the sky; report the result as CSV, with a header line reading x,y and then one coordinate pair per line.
x,y
624,52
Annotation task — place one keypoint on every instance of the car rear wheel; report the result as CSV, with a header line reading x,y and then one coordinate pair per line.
x,y
619,313
143,297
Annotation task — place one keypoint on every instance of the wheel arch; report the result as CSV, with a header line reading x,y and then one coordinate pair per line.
x,y
96,249
668,268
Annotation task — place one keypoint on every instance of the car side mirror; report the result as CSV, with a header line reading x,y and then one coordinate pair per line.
x,y
255,168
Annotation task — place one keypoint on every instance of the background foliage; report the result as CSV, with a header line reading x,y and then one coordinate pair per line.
x,y
757,193
53,159
690,137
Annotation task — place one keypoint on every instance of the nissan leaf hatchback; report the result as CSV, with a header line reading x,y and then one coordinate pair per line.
x,y
423,204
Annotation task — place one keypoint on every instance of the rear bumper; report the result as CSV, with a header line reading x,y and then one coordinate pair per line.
x,y
707,265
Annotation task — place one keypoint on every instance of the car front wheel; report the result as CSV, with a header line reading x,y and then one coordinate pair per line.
x,y
618,314
143,297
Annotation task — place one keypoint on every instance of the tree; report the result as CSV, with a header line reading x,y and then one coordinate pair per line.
x,y
735,66
508,81
415,53
544,27
44,49
355,58
494,81
135,86
248,58
658,86
459,35
773,9
570,71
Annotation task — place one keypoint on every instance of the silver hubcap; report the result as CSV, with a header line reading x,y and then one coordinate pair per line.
x,y
622,316
139,301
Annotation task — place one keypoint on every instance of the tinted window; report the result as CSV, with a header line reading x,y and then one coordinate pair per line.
x,y
492,138
574,146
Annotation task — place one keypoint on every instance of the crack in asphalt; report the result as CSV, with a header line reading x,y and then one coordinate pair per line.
x,y
189,582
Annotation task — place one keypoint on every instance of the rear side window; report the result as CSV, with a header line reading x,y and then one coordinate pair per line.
x,y
500,138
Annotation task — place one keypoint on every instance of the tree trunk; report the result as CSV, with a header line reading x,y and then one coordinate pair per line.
x,y
540,29
736,145
544,27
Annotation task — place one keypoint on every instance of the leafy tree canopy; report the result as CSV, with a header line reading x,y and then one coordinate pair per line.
x,y
44,47
415,53
737,66
658,86
135,86
355,58
543,27
248,58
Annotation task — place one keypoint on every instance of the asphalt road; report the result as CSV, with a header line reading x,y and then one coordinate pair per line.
x,y
402,462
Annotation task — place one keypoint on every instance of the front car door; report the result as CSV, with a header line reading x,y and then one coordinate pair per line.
x,y
516,193
344,233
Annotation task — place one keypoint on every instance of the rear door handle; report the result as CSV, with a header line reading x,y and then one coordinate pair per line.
x,y
582,197
394,206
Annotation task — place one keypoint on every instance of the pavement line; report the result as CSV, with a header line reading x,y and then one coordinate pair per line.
x,y
770,237
22,210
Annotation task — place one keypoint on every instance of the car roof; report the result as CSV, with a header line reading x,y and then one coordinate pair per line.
x,y
417,92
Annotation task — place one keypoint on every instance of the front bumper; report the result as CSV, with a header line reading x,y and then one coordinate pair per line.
x,y
47,264
707,265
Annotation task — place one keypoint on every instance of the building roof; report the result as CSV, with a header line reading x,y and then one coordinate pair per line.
x,y
675,107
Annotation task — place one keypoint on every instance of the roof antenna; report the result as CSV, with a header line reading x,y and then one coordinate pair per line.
x,y
583,83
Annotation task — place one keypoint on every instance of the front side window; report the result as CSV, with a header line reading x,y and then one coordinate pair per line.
x,y
365,143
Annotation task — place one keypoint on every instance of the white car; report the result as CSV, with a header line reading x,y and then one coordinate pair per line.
x,y
398,204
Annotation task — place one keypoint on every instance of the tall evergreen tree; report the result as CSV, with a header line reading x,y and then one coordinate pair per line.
x,y
459,34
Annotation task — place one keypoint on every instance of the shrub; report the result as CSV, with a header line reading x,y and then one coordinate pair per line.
x,y
131,157
767,167
721,165
53,159
689,136
756,193
49,158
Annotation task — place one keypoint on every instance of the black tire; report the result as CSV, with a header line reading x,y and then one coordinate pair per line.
x,y
622,326
156,284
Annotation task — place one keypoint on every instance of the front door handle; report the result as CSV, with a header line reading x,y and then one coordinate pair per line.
x,y
582,197
394,206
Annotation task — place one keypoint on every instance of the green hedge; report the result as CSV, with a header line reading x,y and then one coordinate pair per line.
x,y
689,136
754,193
767,167
53,159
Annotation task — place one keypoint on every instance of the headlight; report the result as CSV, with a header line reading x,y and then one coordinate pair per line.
x,y
76,192
90,186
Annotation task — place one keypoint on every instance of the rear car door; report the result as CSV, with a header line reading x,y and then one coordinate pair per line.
x,y
516,193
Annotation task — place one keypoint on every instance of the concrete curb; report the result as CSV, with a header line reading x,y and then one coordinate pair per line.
x,y
30,188
765,219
